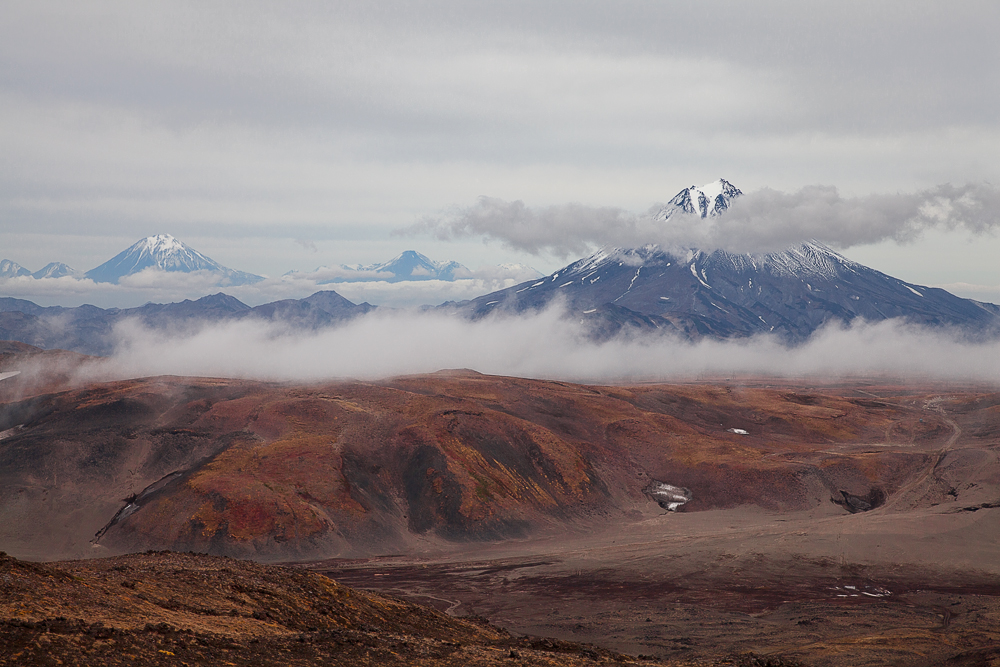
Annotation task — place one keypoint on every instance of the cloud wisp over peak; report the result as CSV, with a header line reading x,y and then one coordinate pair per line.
x,y
765,220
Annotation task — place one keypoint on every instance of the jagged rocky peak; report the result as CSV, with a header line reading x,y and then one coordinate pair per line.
x,y
704,201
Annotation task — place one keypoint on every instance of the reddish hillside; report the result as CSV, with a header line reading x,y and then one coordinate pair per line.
x,y
281,471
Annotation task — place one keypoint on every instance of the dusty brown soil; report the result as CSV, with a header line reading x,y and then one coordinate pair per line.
x,y
185,609
708,584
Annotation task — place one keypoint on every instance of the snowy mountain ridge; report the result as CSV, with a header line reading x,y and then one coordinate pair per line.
x,y
810,258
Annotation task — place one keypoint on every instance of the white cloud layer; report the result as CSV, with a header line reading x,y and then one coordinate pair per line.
x,y
543,345
761,221
241,112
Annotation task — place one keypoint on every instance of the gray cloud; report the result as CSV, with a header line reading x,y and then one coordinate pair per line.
x,y
770,220
851,64
123,118
760,221
560,230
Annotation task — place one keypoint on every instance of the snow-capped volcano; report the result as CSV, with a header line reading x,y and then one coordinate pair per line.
x,y
165,253
721,294
411,265
705,201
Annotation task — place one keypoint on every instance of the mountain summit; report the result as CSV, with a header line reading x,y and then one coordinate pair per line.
x,y
10,269
165,253
721,294
707,201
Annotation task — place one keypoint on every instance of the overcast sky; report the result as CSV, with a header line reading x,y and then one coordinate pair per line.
x,y
284,136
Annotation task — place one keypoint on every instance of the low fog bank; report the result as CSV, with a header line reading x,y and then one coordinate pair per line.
x,y
543,345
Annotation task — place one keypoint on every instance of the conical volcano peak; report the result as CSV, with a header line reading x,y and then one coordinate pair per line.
x,y
704,201
164,253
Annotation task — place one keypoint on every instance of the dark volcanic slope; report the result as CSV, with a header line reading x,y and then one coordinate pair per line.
x,y
354,469
183,609
722,294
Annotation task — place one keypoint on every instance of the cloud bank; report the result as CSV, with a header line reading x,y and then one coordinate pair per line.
x,y
761,221
543,345
240,120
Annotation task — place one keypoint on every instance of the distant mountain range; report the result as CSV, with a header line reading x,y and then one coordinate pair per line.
x,y
9,269
165,253
162,252
88,329
721,294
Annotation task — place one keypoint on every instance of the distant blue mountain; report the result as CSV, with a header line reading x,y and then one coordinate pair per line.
x,y
406,266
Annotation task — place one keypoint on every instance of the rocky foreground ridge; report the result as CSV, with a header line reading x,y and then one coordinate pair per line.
x,y
186,609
